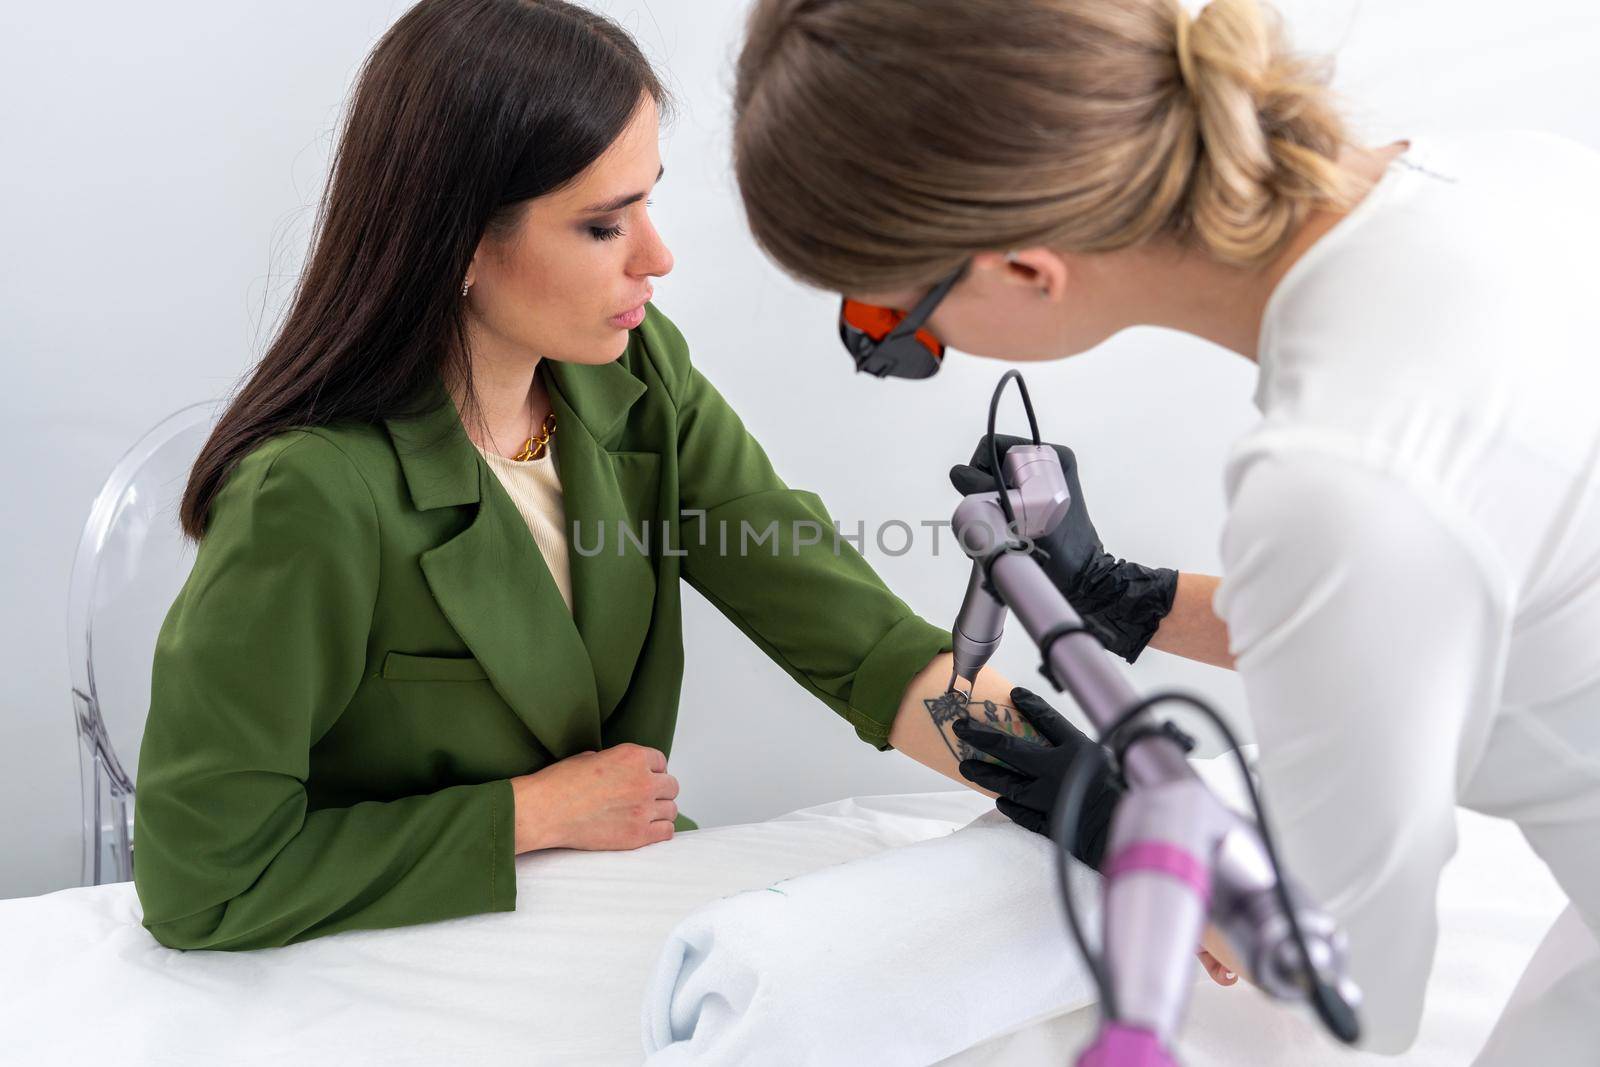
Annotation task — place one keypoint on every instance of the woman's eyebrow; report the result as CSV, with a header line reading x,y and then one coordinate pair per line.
x,y
620,202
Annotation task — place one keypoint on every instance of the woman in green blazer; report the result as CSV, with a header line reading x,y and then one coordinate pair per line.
x,y
370,694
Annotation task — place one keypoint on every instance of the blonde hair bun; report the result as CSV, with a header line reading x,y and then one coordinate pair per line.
x,y
878,143
1268,135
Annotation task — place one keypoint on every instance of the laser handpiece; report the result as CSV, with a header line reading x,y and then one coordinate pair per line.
x,y
1176,854
1039,501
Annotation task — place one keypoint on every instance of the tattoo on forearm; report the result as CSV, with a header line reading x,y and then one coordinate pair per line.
x,y
946,709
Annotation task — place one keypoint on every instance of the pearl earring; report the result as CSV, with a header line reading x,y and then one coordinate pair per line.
x,y
465,285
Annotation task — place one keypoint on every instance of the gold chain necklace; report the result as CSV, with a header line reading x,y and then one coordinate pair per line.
x,y
534,447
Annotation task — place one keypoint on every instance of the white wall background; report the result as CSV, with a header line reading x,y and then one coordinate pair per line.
x,y
160,168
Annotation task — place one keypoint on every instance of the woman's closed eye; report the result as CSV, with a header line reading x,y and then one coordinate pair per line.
x,y
615,230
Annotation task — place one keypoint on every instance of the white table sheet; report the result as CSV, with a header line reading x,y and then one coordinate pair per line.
x,y
560,980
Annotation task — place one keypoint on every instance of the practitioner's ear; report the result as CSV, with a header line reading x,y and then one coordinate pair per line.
x,y
1042,270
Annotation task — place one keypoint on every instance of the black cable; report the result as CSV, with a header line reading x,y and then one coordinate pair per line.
x,y
994,451
1330,1006
1064,832
1047,641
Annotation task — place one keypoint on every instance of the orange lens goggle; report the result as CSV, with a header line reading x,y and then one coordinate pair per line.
x,y
888,343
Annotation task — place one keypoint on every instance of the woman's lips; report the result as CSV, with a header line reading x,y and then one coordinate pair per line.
x,y
628,319
632,317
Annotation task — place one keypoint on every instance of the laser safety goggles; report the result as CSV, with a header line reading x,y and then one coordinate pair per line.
x,y
887,343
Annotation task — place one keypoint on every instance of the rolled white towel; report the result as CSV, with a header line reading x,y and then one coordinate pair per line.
x,y
905,957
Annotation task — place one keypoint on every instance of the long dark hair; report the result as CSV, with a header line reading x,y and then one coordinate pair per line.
x,y
463,111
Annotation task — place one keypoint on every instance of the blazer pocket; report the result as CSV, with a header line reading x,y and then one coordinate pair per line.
x,y
405,667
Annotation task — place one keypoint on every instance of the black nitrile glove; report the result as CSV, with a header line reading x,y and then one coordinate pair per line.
x,y
1122,603
1028,786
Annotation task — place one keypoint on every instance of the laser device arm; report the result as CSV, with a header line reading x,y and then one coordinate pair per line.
x,y
1176,855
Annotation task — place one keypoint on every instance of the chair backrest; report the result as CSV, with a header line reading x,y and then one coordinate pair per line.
x,y
130,564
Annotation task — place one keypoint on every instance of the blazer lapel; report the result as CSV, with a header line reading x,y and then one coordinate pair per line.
x,y
491,583
606,494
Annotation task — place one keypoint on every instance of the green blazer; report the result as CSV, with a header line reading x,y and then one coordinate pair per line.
x,y
370,646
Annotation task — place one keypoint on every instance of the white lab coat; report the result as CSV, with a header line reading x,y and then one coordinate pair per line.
x,y
1411,563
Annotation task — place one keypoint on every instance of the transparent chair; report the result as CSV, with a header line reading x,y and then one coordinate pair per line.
x,y
131,562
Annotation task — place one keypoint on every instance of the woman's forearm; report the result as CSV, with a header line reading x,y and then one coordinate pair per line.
x,y
922,726
1191,629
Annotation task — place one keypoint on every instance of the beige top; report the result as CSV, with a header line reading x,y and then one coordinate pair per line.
x,y
535,488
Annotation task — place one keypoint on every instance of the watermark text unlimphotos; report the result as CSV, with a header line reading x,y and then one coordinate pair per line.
x,y
693,533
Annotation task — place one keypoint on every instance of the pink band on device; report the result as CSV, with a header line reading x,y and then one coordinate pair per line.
x,y
1163,858
1125,1046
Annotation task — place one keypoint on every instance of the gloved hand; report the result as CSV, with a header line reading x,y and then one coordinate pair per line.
x,y
1028,793
1028,787
1122,603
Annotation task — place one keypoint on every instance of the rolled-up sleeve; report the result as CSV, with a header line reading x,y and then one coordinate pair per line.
x,y
770,558
1367,632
